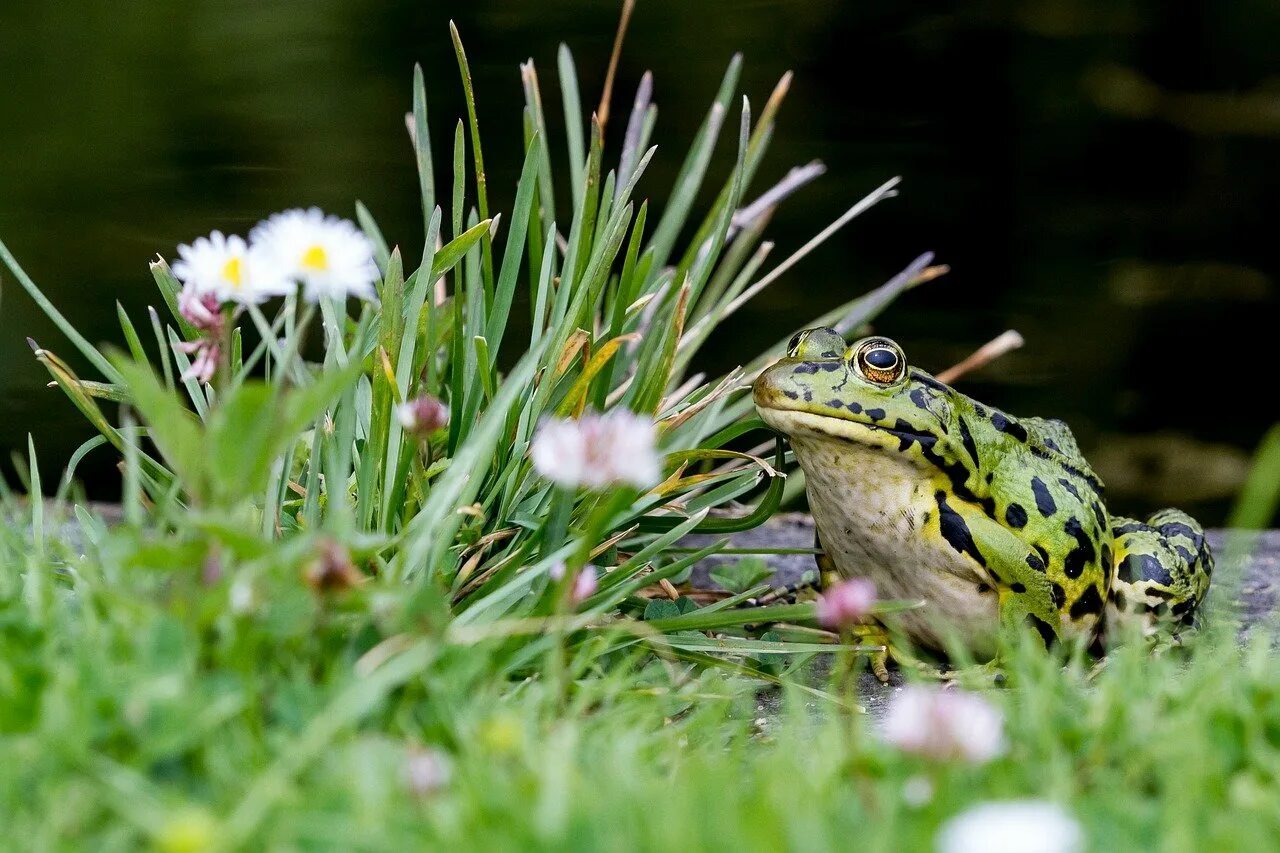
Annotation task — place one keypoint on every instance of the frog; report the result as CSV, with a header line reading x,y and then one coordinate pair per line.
x,y
996,523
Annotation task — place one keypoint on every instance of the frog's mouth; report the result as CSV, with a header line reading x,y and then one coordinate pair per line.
x,y
799,422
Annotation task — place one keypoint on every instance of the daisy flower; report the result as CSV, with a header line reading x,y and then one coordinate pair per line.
x,y
597,450
944,725
328,255
1015,826
227,269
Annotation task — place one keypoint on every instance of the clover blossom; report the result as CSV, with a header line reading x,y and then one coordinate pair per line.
x,y
944,725
598,450
846,604
585,582
202,310
422,415
1013,826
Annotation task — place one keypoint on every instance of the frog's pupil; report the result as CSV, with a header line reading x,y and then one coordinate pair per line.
x,y
881,358
795,343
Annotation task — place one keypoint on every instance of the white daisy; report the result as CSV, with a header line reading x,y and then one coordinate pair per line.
x,y
330,256
598,450
227,269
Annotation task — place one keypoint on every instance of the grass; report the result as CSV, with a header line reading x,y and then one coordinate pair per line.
x,y
139,704
300,598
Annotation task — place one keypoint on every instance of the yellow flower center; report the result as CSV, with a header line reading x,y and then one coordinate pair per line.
x,y
233,271
315,259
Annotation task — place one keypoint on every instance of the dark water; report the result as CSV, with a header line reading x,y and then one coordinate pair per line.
x,y
1103,176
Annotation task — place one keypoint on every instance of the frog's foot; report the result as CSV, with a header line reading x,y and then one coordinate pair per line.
x,y
877,638
982,675
884,647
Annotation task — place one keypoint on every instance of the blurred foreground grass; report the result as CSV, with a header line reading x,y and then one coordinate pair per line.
x,y
138,708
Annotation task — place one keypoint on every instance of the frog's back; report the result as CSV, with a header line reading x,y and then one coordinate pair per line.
x,y
1044,490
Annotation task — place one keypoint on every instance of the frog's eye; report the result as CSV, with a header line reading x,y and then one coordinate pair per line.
x,y
880,360
793,348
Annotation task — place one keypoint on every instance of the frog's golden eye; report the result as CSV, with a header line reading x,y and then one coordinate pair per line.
x,y
793,348
880,360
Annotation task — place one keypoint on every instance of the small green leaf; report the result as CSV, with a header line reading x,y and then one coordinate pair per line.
x,y
742,575
661,608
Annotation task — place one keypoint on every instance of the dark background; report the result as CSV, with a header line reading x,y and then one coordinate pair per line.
x,y
1101,175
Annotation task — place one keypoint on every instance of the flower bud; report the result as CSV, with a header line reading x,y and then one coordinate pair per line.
x,y
422,416
333,570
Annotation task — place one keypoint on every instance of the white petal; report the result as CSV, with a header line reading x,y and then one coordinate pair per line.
x,y
1016,826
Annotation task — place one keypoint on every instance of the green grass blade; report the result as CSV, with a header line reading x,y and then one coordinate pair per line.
x,y
477,155
422,149
459,211
533,100
1259,499
448,256
694,169
86,349
572,121
169,289
371,230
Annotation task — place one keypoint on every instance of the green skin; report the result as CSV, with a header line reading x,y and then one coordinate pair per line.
x,y
994,522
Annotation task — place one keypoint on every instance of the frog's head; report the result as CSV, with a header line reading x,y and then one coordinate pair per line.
x,y
864,393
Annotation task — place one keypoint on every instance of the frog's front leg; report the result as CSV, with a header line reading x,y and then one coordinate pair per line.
x,y
1012,567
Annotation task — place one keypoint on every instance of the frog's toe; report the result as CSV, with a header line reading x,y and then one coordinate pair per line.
x,y
983,675
879,665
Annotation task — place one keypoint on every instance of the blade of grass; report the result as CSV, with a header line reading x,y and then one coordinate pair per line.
x,y
477,155
97,359
694,169
511,258
169,287
572,121
422,150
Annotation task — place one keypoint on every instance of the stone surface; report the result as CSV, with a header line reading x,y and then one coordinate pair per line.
x,y
1246,583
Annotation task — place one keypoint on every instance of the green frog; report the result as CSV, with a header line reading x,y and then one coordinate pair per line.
x,y
995,522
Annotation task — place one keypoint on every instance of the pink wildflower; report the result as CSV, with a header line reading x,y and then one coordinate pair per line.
x,y
585,582
944,725
202,310
422,416
598,450
847,603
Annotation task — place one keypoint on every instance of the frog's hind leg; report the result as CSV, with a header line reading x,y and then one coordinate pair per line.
x,y
1163,567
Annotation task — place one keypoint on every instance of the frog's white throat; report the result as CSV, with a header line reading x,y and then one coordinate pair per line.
x,y
877,514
